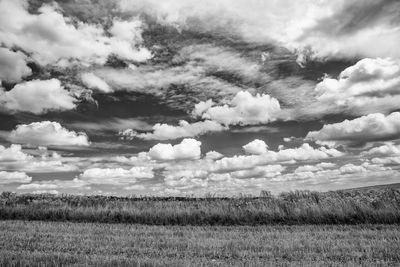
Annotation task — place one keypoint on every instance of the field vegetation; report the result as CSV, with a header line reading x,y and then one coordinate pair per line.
x,y
373,206
93,244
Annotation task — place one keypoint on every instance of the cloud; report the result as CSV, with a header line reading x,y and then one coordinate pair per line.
x,y
385,150
356,15
127,30
344,173
205,175
43,186
114,124
222,59
253,21
213,155
36,186
256,147
367,77
14,177
308,168
169,132
320,167
387,160
127,34
163,81
365,167
372,127
50,37
46,165
243,109
94,82
13,65
47,133
330,28
13,153
187,149
351,168
356,29
14,158
302,153
37,97
371,85
268,171
116,176
339,28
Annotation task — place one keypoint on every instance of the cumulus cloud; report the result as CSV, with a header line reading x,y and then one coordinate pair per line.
x,y
387,154
13,65
47,133
243,109
94,82
365,167
387,160
256,147
163,131
345,172
315,168
35,161
116,176
13,153
372,127
187,149
371,85
385,150
302,153
125,35
37,97
50,37
14,177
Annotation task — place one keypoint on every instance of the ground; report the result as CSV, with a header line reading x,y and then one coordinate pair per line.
x,y
25,243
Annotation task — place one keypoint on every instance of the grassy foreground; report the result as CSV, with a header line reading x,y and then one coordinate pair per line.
x,y
58,243
374,206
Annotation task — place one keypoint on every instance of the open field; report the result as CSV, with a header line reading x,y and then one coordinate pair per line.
x,y
55,243
371,205
359,227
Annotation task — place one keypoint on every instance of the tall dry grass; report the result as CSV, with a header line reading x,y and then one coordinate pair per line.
x,y
375,206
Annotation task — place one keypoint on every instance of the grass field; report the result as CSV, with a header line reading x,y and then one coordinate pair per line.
x,y
377,206
358,227
59,243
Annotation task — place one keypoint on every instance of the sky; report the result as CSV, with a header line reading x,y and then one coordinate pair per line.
x,y
198,97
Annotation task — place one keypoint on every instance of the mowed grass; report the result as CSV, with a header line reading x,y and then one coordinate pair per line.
x,y
79,244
